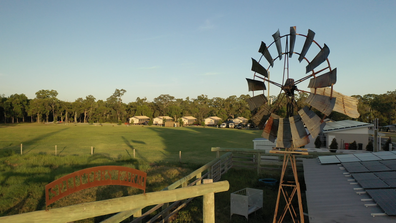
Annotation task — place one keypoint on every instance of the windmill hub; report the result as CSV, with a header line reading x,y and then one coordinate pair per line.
x,y
289,87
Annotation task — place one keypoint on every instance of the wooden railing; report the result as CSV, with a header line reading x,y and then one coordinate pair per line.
x,y
256,159
212,170
98,208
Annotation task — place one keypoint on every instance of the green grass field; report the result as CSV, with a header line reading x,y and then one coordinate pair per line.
x,y
151,143
23,177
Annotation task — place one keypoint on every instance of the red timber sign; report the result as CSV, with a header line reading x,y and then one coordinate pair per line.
x,y
93,177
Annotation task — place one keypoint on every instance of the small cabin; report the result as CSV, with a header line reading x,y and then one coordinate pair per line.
x,y
188,120
212,120
160,120
138,119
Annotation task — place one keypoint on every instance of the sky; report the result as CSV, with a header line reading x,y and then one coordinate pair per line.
x,y
186,48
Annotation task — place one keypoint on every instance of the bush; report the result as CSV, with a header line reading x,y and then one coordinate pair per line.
x,y
386,146
370,146
318,143
6,152
353,145
333,145
150,122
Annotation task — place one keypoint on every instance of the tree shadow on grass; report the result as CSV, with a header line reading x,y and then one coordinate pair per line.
x,y
126,141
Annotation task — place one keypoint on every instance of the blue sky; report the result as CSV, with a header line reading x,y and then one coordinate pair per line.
x,y
185,48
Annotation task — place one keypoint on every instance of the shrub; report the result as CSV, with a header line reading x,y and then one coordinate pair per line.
x,y
6,152
333,145
318,143
353,145
386,146
370,146
150,122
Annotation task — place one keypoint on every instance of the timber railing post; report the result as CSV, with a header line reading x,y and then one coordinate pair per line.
x,y
199,175
138,214
258,160
21,148
208,205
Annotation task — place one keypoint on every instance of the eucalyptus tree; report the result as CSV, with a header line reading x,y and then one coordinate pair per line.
x,y
100,112
6,107
231,105
36,108
163,102
202,104
65,109
115,102
18,107
87,107
77,107
242,109
131,109
47,100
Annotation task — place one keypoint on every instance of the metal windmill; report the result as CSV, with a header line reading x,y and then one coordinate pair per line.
x,y
289,132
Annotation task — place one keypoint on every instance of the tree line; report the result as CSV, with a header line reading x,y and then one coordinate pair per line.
x,y
46,107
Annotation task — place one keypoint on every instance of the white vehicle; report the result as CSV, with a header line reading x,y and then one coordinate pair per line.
x,y
231,125
223,125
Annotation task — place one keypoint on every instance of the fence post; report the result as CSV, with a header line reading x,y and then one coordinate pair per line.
x,y
179,156
258,160
198,176
92,150
138,214
21,148
56,148
208,205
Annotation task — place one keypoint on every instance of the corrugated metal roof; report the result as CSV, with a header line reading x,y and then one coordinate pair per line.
x,y
343,125
189,117
213,117
164,117
141,117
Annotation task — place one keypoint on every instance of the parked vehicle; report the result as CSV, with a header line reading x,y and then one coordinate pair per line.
x,y
223,125
239,126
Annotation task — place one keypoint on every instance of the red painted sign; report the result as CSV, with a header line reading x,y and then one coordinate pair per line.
x,y
93,177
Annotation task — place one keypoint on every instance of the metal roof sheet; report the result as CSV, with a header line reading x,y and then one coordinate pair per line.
x,y
332,198
343,125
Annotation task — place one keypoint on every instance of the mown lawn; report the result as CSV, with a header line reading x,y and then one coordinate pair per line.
x,y
23,177
151,143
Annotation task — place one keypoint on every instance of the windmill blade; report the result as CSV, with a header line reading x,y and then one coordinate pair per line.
x,y
307,44
284,139
271,128
311,121
256,67
324,80
299,135
261,117
322,103
292,40
255,85
344,104
264,50
256,101
278,43
319,59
